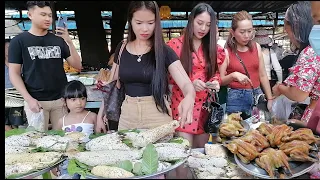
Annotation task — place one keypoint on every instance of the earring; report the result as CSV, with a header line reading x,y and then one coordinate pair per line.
x,y
233,40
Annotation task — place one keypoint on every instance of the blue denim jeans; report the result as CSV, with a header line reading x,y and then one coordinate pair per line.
x,y
241,100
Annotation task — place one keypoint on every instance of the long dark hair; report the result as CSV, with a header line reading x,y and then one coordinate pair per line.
x,y
160,76
239,16
209,41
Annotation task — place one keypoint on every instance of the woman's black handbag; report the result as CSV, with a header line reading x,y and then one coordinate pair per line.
x,y
114,94
215,112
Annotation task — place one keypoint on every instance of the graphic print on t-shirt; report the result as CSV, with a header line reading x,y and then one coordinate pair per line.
x,y
44,52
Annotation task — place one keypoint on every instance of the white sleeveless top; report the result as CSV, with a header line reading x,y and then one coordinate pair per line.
x,y
85,128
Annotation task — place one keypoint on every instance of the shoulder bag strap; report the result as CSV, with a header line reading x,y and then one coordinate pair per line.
x,y
118,66
245,68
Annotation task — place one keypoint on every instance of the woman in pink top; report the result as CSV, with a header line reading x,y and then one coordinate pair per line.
x,y
200,56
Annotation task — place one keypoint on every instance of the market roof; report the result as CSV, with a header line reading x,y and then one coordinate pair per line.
x,y
263,6
166,24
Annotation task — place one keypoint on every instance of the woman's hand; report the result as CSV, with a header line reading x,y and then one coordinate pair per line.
x,y
241,78
101,126
185,109
275,90
199,85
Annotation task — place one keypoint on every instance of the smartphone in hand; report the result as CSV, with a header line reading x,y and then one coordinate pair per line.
x,y
62,22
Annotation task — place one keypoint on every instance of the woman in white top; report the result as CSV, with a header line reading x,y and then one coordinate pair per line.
x,y
272,62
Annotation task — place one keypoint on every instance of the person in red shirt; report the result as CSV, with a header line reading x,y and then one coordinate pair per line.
x,y
242,51
200,56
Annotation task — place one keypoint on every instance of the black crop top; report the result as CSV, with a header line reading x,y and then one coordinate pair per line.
x,y
137,76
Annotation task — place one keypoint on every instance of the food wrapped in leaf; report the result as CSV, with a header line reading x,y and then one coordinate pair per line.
x,y
106,142
16,149
152,135
53,143
107,157
44,157
76,136
110,172
167,153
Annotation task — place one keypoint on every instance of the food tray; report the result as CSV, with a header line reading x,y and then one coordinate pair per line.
x,y
151,176
42,171
297,168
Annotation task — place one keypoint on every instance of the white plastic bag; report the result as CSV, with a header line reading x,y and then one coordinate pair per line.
x,y
281,108
37,121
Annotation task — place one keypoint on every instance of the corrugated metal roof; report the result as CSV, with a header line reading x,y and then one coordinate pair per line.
x,y
166,24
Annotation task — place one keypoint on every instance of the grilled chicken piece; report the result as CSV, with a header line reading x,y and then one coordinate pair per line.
x,y
278,132
245,151
265,129
255,138
297,151
303,134
271,159
230,130
235,117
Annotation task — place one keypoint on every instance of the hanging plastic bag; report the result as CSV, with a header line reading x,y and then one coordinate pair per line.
x,y
37,121
281,108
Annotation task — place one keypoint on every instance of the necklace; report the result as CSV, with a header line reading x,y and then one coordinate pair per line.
x,y
140,56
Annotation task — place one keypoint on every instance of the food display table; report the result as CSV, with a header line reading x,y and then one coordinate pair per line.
x,y
45,173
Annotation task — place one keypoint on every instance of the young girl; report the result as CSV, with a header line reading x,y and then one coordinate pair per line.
x,y
77,119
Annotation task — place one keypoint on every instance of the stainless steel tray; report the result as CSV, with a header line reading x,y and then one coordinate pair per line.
x,y
297,168
89,176
42,171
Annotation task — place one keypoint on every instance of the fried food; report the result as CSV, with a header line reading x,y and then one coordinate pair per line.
x,y
69,69
297,150
244,150
232,127
271,160
303,134
103,75
277,134
255,138
265,129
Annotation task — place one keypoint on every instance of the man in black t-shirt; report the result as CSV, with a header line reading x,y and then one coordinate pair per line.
x,y
36,63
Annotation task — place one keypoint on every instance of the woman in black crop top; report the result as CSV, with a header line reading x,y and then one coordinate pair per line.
x,y
145,63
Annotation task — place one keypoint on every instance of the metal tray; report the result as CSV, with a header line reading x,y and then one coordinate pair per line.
x,y
89,176
297,168
42,171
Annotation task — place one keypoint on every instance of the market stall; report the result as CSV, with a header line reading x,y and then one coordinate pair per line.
x,y
89,79
256,150
243,150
